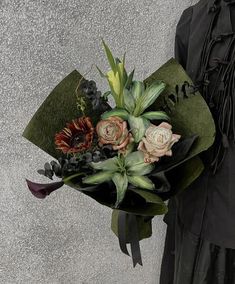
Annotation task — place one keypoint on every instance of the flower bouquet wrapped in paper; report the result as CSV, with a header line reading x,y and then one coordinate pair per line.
x,y
131,157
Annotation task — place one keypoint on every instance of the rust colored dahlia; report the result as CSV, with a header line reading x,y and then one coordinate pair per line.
x,y
76,137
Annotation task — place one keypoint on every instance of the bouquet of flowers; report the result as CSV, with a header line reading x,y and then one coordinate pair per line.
x,y
131,157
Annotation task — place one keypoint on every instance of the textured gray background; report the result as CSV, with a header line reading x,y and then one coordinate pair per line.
x,y
66,238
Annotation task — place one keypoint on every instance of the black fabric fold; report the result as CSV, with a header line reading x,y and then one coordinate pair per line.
x,y
219,98
189,259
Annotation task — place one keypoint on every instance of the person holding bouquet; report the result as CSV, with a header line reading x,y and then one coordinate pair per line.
x,y
200,240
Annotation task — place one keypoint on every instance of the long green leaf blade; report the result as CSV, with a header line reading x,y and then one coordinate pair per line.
x,y
129,101
101,73
135,164
156,115
98,178
141,169
109,56
138,126
149,96
134,158
121,183
107,165
141,181
137,89
129,79
122,113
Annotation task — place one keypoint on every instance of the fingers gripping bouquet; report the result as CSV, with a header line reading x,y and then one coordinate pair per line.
x,y
132,157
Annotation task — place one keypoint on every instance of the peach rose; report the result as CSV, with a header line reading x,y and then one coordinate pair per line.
x,y
157,142
113,131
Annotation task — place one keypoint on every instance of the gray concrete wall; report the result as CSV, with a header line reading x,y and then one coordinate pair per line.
x,y
67,238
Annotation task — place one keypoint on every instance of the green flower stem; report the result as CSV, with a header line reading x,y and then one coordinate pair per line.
x,y
119,101
67,179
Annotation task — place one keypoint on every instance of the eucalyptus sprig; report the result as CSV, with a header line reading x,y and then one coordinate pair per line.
x,y
130,169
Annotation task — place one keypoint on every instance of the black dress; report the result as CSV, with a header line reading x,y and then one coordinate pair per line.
x,y
200,240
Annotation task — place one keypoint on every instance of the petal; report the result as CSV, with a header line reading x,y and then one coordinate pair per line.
x,y
149,147
150,159
165,125
41,190
159,152
176,137
169,153
142,147
124,144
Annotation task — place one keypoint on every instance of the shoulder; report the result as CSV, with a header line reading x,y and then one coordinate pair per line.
x,y
185,19
188,13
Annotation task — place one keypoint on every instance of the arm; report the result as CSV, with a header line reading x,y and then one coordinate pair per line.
x,y
182,37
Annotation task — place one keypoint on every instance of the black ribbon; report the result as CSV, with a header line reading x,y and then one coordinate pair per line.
x,y
125,219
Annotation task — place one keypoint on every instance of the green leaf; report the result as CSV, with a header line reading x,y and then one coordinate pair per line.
x,y
67,179
138,126
125,77
120,69
106,94
107,165
117,60
129,79
137,89
121,183
150,197
99,177
141,181
101,73
141,169
149,97
122,113
113,93
134,158
156,115
129,101
110,57
124,58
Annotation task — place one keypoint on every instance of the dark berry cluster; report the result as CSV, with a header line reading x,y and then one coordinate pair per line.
x,y
94,96
100,154
71,165
64,167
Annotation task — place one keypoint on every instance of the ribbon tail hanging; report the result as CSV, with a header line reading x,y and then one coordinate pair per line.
x,y
125,219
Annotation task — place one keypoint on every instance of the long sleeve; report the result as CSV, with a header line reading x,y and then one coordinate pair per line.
x,y
182,37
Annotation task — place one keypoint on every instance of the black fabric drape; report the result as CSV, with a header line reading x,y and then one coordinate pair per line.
x,y
200,238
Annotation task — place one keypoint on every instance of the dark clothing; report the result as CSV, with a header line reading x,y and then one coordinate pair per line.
x,y
189,259
204,214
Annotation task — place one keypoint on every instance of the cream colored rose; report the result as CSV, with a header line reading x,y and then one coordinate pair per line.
x,y
157,142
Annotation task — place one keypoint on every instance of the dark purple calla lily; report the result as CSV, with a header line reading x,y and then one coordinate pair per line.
x,y
41,190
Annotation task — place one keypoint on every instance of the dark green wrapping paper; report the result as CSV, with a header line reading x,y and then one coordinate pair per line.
x,y
190,116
